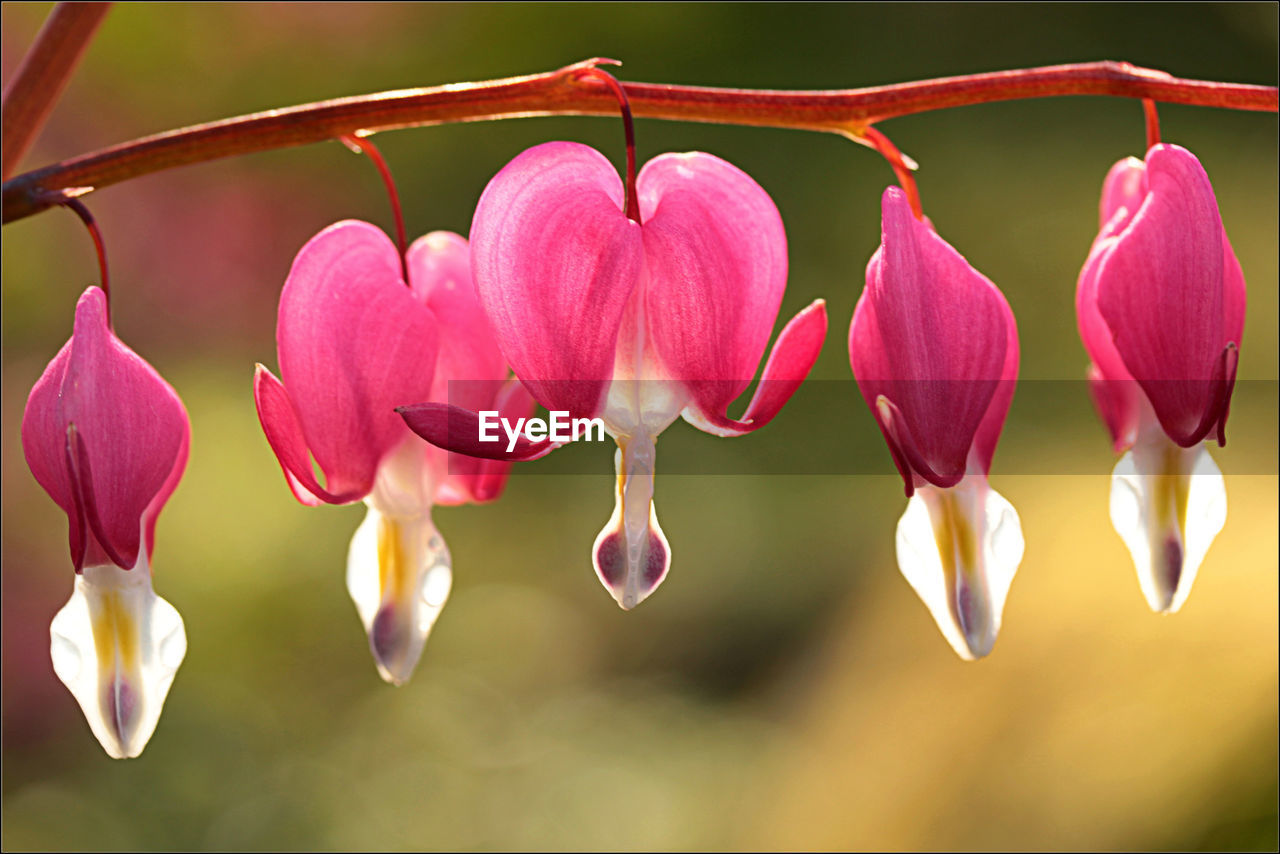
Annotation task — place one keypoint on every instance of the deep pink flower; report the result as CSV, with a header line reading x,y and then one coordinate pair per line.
x,y
107,438
934,349
637,324
354,343
1160,305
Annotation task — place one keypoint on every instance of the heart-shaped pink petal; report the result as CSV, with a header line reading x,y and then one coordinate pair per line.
x,y
470,370
555,261
354,343
716,266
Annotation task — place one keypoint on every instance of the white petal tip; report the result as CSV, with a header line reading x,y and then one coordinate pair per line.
x,y
628,599
117,647
979,644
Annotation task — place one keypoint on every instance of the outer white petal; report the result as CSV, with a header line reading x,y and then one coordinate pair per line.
x,y
959,548
399,571
116,645
1167,504
399,574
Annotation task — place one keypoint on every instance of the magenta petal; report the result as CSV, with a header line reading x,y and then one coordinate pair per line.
x,y
1114,392
81,471
984,441
1122,193
476,479
470,370
440,262
904,448
793,355
716,268
284,434
44,442
1118,403
1124,187
458,430
930,335
1161,291
1233,294
353,344
555,261
514,402
106,437
1094,331
469,362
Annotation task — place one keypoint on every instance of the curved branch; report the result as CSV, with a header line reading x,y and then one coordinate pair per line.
x,y
44,73
567,92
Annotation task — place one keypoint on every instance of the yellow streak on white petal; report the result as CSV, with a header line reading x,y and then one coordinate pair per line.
x,y
115,635
1167,504
959,549
391,563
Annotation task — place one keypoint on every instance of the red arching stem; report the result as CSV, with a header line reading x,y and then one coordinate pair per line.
x,y
632,206
560,92
367,148
1153,122
906,180
77,207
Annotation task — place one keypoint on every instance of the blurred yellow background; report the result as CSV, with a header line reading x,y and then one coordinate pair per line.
x,y
785,688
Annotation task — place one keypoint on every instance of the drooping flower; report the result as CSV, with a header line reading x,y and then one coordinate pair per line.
x,y
636,323
934,349
354,342
1160,305
108,438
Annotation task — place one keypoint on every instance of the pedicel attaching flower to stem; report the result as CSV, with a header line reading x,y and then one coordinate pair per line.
x,y
934,349
637,304
354,342
1160,305
108,439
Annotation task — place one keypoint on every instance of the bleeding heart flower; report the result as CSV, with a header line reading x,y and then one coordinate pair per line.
x,y
354,342
634,322
934,349
1160,304
107,438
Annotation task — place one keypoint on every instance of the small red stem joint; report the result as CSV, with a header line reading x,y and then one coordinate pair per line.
x,y
1153,122
360,145
906,180
632,206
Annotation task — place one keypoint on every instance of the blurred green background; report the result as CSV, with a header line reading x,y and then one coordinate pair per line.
x,y
785,688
